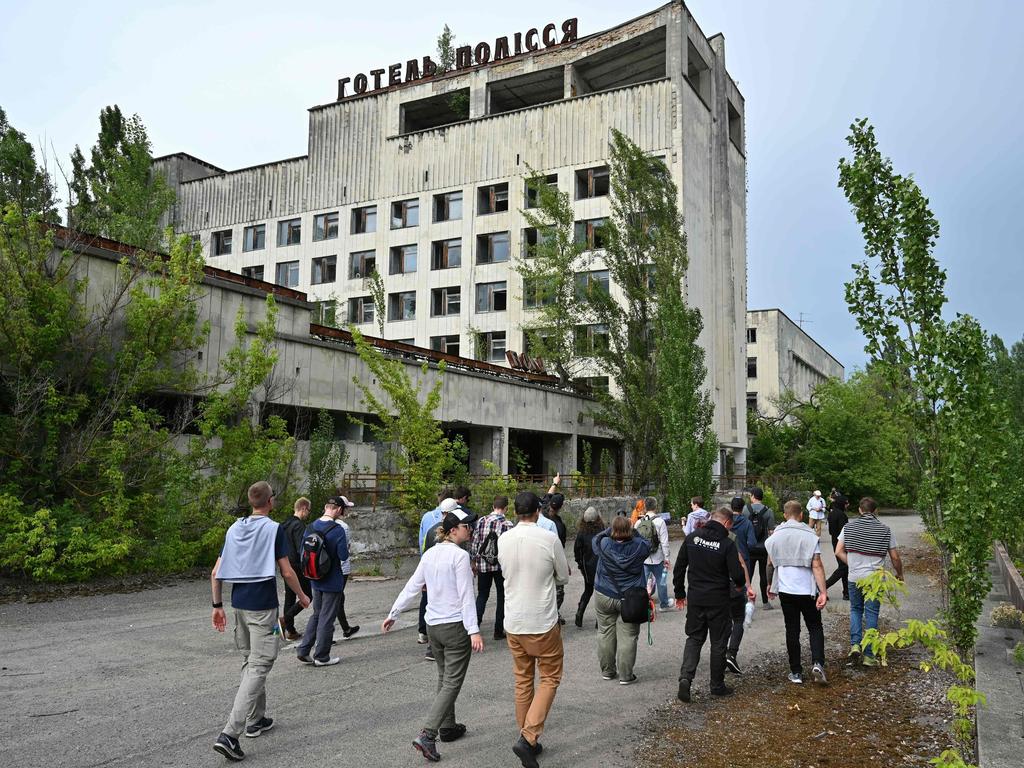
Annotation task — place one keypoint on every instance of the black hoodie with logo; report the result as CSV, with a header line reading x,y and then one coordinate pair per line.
x,y
712,560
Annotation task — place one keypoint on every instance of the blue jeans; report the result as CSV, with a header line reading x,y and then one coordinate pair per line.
x,y
863,615
660,578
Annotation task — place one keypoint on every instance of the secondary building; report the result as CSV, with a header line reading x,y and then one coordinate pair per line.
x,y
783,358
420,176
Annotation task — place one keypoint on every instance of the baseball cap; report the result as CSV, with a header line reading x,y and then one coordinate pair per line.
x,y
449,505
817,493
340,501
457,518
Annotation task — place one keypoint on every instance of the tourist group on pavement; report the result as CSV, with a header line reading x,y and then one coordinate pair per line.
x,y
520,558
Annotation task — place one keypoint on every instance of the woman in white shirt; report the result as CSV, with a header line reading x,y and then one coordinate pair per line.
x,y
451,623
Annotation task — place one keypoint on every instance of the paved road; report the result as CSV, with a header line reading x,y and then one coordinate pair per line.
x,y
142,679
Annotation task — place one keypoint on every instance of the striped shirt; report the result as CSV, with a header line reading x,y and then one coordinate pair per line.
x,y
867,542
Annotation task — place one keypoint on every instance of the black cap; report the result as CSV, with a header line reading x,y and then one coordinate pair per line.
x,y
456,518
736,504
557,500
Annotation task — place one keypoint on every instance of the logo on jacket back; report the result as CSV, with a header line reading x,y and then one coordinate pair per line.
x,y
707,543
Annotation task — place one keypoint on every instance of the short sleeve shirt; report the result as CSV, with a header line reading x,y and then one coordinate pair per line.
x,y
797,579
861,566
261,595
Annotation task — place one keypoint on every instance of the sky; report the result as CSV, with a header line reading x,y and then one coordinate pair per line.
x,y
230,82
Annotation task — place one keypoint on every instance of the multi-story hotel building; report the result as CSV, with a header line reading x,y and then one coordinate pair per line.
x,y
421,176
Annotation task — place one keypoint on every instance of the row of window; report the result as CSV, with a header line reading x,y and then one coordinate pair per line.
x,y
492,248
447,206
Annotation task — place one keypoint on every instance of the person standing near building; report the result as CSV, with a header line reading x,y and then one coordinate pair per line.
x,y
253,545
327,589
430,520
452,625
863,545
554,514
742,532
816,511
347,630
590,525
294,528
837,520
533,564
484,555
794,553
657,561
762,519
709,563
620,566
698,516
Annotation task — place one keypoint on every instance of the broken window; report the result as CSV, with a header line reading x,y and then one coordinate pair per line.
x,y
492,199
324,312
289,232
449,345
402,306
550,180
434,111
362,264
255,273
537,293
590,233
591,182
325,226
491,297
222,242
751,367
446,254
752,401
445,301
492,248
448,206
325,270
491,346
751,335
364,219
254,238
405,213
592,281
288,274
532,237
403,260
589,339
360,310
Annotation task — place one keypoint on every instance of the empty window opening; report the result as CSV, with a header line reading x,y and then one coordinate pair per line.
x,y
448,206
405,213
325,313
435,111
492,248
751,367
325,226
491,346
448,345
402,306
325,270
491,297
698,73
752,401
364,219
492,199
222,242
531,192
362,264
527,90
590,233
255,273
534,238
751,335
360,310
403,260
446,254
735,127
445,301
637,60
591,182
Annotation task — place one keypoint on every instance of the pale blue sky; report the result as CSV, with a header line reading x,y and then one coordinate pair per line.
x,y
230,82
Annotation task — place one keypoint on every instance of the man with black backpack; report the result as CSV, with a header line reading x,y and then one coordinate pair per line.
x,y
294,528
324,549
763,520
484,556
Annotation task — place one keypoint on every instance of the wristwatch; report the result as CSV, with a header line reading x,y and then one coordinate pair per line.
x,y
218,605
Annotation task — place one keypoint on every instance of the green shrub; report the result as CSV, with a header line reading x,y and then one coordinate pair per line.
x,y
1018,654
1006,615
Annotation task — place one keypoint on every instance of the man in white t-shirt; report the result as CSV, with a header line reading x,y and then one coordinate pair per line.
x,y
816,510
794,554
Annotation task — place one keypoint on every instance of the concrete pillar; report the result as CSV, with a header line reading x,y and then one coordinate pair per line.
x,y
499,448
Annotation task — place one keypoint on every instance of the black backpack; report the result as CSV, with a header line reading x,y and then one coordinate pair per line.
x,y
315,559
760,522
489,549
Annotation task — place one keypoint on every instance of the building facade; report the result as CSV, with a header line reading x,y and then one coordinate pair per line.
x,y
421,177
783,358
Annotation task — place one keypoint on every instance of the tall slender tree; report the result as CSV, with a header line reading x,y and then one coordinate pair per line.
x,y
22,181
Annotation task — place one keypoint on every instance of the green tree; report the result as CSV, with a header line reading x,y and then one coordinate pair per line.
x,y
116,194
458,101
327,457
375,284
22,181
941,372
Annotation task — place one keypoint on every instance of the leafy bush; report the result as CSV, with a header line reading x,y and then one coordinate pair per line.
x,y
1018,654
1006,615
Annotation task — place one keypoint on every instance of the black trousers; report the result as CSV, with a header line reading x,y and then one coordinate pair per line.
x,y
484,582
762,558
737,612
342,618
795,607
589,571
423,613
292,607
841,572
701,621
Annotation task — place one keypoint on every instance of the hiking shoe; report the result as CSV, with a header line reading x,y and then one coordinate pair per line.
x,y
451,734
329,663
229,747
684,691
796,677
721,690
347,633
427,746
429,655
524,750
292,636
628,680
869,661
421,638
818,673
731,665
854,652
304,659
263,724
609,675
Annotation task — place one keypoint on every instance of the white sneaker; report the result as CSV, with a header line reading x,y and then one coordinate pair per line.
x,y
329,663
818,673
421,639
796,677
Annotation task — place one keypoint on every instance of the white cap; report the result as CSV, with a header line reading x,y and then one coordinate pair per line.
x,y
817,493
449,505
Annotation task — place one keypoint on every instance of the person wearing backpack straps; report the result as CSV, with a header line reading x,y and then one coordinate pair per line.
x,y
295,528
653,528
484,556
763,520
324,549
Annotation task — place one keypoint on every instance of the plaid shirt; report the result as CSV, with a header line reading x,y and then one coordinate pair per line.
x,y
493,522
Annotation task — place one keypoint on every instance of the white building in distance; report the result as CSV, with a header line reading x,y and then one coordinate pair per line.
x,y
421,176
782,357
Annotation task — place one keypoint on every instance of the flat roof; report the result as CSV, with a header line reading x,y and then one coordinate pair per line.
x,y
800,328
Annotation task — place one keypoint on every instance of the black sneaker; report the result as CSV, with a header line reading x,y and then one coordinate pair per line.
x,y
731,665
304,659
429,655
264,724
721,690
347,633
427,746
229,747
684,691
499,634
451,734
525,752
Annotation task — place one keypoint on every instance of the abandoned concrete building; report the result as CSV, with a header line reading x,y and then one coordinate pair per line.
x,y
783,358
421,176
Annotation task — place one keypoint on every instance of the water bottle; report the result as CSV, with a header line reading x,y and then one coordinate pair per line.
x,y
748,618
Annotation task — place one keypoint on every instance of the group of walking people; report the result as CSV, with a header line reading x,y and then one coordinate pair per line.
x,y
624,566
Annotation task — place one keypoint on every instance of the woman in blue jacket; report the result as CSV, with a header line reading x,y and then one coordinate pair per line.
x,y
620,566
